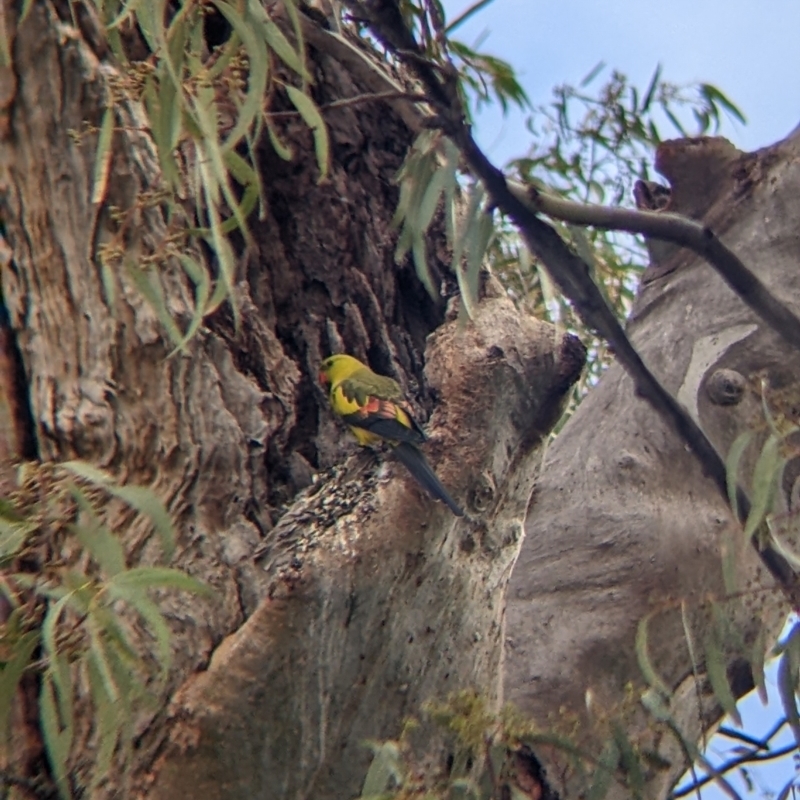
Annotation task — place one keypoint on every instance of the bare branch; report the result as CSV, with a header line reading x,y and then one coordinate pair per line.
x,y
763,742
718,776
679,230
734,763
569,271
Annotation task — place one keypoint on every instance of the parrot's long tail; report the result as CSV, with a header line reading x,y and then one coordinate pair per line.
x,y
416,463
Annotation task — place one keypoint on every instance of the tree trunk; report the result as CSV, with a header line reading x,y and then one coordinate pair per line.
x,y
370,597
624,523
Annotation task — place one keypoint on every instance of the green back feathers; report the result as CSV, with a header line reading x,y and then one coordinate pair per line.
x,y
365,383
357,381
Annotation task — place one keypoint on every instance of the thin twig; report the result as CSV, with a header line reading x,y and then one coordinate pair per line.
x,y
747,758
687,631
718,776
352,101
763,742
466,14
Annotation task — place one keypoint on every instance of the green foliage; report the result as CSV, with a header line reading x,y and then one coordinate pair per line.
x,y
428,178
385,771
756,460
483,744
494,754
206,112
788,652
488,752
84,623
488,78
482,76
773,438
716,668
429,172
591,143
649,672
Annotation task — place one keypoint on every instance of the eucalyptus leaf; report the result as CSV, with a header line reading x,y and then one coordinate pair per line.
x,y
258,72
757,661
11,674
97,654
631,763
58,669
108,723
767,467
732,468
145,501
202,283
312,117
147,284
384,771
787,689
57,738
102,162
161,577
137,599
604,771
277,41
419,252
283,150
716,667
643,655
13,536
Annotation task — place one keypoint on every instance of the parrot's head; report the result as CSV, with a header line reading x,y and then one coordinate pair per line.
x,y
337,368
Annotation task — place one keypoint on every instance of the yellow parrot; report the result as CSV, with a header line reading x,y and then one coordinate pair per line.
x,y
374,408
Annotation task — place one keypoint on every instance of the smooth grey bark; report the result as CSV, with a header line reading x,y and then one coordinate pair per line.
x,y
623,522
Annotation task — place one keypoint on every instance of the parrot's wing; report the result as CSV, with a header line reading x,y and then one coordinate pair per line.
x,y
364,384
386,419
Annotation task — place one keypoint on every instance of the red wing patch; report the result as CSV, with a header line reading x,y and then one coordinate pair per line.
x,y
387,420
385,409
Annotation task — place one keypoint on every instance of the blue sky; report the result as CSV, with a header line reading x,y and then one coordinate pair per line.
x,y
750,50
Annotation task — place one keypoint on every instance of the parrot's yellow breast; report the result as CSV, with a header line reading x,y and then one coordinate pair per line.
x,y
345,407
341,404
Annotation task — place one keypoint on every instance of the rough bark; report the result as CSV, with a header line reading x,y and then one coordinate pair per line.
x,y
371,597
624,522
377,601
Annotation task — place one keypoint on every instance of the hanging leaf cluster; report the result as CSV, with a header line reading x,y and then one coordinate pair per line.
x,y
493,755
206,109
84,626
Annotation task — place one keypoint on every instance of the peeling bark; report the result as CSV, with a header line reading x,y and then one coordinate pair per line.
x,y
371,597
374,598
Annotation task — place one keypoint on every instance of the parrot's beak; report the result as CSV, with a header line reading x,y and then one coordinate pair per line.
x,y
323,378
